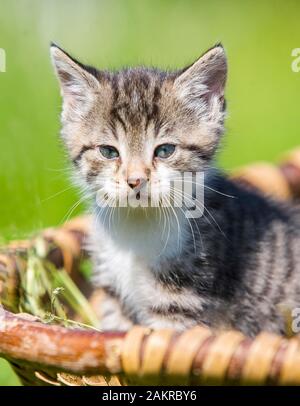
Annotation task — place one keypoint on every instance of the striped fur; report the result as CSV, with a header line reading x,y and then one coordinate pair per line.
x,y
237,266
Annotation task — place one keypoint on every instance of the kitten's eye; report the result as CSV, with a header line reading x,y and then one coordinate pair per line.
x,y
109,152
164,151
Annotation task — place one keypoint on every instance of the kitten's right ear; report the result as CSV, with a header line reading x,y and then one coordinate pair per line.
x,y
78,85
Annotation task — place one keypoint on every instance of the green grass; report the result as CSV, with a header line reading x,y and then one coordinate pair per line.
x,y
263,92
7,376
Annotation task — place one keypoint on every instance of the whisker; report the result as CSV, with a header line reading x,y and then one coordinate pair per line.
x,y
178,229
167,220
220,193
206,186
57,194
209,213
190,225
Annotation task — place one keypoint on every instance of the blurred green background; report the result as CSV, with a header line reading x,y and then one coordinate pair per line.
x,y
263,92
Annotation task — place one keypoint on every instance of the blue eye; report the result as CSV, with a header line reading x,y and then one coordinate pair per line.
x,y
164,151
109,152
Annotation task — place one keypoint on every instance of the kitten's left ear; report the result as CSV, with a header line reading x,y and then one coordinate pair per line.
x,y
205,79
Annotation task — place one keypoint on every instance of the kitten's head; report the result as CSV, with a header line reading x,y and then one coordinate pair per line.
x,y
125,129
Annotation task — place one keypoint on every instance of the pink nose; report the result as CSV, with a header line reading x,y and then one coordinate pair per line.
x,y
134,183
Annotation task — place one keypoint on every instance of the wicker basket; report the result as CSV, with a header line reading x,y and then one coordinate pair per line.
x,y
43,354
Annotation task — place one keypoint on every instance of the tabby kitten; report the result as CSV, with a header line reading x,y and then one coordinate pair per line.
x,y
233,267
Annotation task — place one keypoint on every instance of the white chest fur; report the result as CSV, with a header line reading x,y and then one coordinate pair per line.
x,y
128,257
129,251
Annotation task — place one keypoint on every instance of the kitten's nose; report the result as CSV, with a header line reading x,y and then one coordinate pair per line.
x,y
134,182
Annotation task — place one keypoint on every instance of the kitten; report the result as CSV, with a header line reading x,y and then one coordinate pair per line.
x,y
234,266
